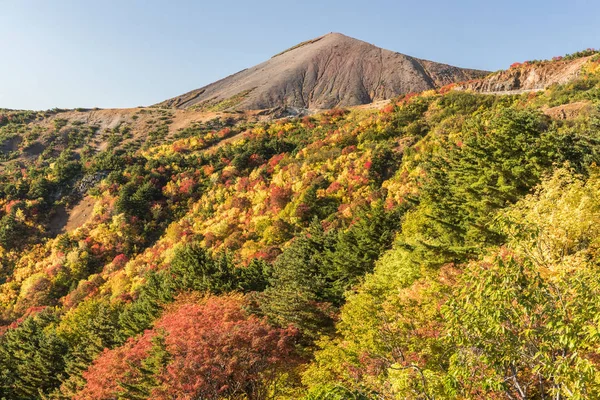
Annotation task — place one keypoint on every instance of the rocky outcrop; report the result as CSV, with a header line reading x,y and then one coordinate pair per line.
x,y
527,77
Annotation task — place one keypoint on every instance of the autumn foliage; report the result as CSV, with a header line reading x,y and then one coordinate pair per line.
x,y
215,349
444,246
113,367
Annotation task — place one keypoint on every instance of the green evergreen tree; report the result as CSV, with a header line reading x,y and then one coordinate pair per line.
x,y
138,316
254,277
299,283
149,370
193,268
357,248
32,357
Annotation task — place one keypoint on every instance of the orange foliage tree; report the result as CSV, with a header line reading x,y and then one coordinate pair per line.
x,y
215,349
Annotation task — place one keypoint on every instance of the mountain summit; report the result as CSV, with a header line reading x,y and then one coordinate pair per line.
x,y
329,71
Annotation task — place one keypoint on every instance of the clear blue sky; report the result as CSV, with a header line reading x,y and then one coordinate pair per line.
x,y
126,53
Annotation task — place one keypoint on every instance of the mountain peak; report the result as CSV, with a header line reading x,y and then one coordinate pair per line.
x,y
339,35
333,70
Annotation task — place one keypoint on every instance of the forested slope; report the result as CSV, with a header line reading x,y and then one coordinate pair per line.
x,y
444,246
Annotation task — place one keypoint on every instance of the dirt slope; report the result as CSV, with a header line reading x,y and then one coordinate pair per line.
x,y
326,72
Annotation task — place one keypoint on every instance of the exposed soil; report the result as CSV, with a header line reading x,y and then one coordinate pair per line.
x,y
80,214
58,220
67,220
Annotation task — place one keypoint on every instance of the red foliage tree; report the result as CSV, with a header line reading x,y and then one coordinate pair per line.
x,y
274,161
178,147
407,97
223,133
187,185
348,149
279,197
218,351
303,211
215,350
255,160
334,187
112,367
120,260
84,289
388,109
446,88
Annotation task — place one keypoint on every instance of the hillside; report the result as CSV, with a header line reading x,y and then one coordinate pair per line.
x,y
531,75
98,129
439,245
330,71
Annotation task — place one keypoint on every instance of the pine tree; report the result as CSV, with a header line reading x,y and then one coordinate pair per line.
x,y
193,268
147,372
357,248
94,328
34,358
158,290
254,277
299,283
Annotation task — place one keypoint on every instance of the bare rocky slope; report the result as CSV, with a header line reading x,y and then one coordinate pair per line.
x,y
527,77
329,71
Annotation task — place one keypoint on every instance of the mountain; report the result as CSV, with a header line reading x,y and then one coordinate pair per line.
x,y
330,71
